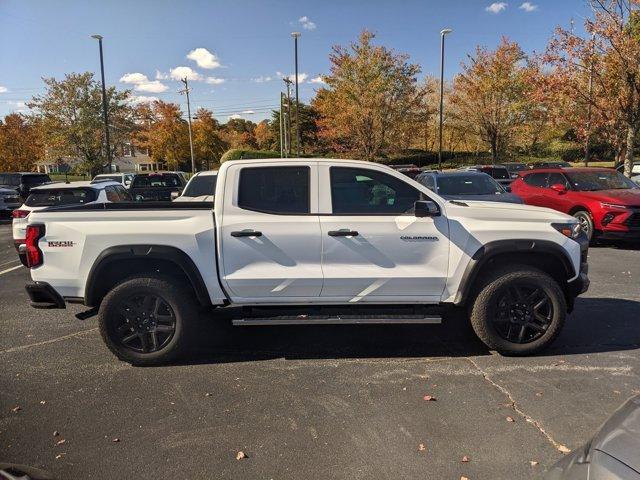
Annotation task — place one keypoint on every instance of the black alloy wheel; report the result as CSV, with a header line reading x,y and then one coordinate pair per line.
x,y
145,323
524,313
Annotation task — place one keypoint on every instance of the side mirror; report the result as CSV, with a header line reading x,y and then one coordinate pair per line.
x,y
127,183
507,189
426,208
558,187
174,195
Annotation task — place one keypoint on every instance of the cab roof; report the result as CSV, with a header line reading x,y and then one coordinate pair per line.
x,y
79,184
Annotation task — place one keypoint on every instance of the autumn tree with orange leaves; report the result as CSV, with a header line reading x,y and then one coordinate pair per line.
x,y
609,57
20,143
490,96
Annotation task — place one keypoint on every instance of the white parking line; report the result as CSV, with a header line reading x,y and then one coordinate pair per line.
x,y
10,269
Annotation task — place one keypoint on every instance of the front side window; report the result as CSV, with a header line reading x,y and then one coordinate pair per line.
x,y
428,181
360,191
557,178
277,190
536,179
112,194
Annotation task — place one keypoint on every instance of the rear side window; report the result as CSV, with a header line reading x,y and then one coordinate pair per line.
x,y
536,179
277,190
369,192
9,179
61,196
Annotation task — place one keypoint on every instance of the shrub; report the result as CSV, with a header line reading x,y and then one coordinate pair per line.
x,y
239,154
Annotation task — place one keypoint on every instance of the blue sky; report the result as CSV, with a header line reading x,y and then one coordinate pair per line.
x,y
239,49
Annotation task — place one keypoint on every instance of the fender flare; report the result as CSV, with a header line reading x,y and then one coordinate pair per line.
x,y
498,247
155,252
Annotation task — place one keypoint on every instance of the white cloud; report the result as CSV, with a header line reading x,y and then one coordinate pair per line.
x,y
306,23
318,80
215,80
161,76
141,83
496,7
262,79
140,99
302,77
235,116
3,89
248,112
204,58
189,73
528,7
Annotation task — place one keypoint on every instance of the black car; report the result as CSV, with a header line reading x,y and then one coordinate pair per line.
x,y
558,164
156,186
514,168
497,172
466,185
23,182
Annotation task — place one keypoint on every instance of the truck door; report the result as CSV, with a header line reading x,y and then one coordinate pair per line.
x,y
270,246
374,248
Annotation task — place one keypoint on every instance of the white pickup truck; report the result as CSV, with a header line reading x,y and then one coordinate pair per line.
x,y
308,241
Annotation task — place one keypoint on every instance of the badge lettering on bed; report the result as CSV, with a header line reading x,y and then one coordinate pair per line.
x,y
60,243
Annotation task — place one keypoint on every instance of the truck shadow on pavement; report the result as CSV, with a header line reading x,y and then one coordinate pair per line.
x,y
596,325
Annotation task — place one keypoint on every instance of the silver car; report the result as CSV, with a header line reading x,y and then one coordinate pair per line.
x,y
612,454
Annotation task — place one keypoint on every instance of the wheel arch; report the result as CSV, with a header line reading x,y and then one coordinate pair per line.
x,y
544,255
579,208
119,262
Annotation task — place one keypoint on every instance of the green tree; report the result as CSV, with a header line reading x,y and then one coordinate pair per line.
x,y
70,113
366,104
309,118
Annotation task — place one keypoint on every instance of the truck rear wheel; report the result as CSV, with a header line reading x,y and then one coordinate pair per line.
x,y
145,320
519,310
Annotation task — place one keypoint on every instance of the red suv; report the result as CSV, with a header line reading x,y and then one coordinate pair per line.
x,y
606,203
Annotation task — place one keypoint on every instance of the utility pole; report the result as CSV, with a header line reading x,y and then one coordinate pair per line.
x,y
105,114
186,91
587,142
288,82
281,146
442,35
295,36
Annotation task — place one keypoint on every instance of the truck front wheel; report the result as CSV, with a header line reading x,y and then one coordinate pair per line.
x,y
145,320
519,310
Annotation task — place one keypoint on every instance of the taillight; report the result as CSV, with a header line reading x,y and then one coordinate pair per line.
x,y
20,213
33,252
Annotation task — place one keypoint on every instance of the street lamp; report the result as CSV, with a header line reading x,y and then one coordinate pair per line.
x,y
295,36
443,32
105,114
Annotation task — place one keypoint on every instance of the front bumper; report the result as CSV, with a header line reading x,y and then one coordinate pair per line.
x,y
43,295
581,283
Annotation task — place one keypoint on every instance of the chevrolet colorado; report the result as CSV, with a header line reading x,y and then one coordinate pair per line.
x,y
308,241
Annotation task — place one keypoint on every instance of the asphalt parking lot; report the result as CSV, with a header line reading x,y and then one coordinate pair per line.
x,y
314,402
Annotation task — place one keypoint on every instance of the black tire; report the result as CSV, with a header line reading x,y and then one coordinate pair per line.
x,y
586,221
127,312
494,317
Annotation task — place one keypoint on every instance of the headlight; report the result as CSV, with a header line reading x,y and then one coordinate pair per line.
x,y
613,205
571,230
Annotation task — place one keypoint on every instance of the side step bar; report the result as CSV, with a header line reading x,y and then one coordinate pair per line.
x,y
338,320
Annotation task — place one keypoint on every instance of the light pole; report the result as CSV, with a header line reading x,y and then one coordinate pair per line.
x,y
443,32
105,114
295,36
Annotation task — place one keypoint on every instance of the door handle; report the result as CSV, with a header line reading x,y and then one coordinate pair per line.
x,y
342,233
246,233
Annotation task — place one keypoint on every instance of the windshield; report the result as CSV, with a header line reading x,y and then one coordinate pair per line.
x,y
60,196
468,185
592,181
116,178
9,179
156,180
201,185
